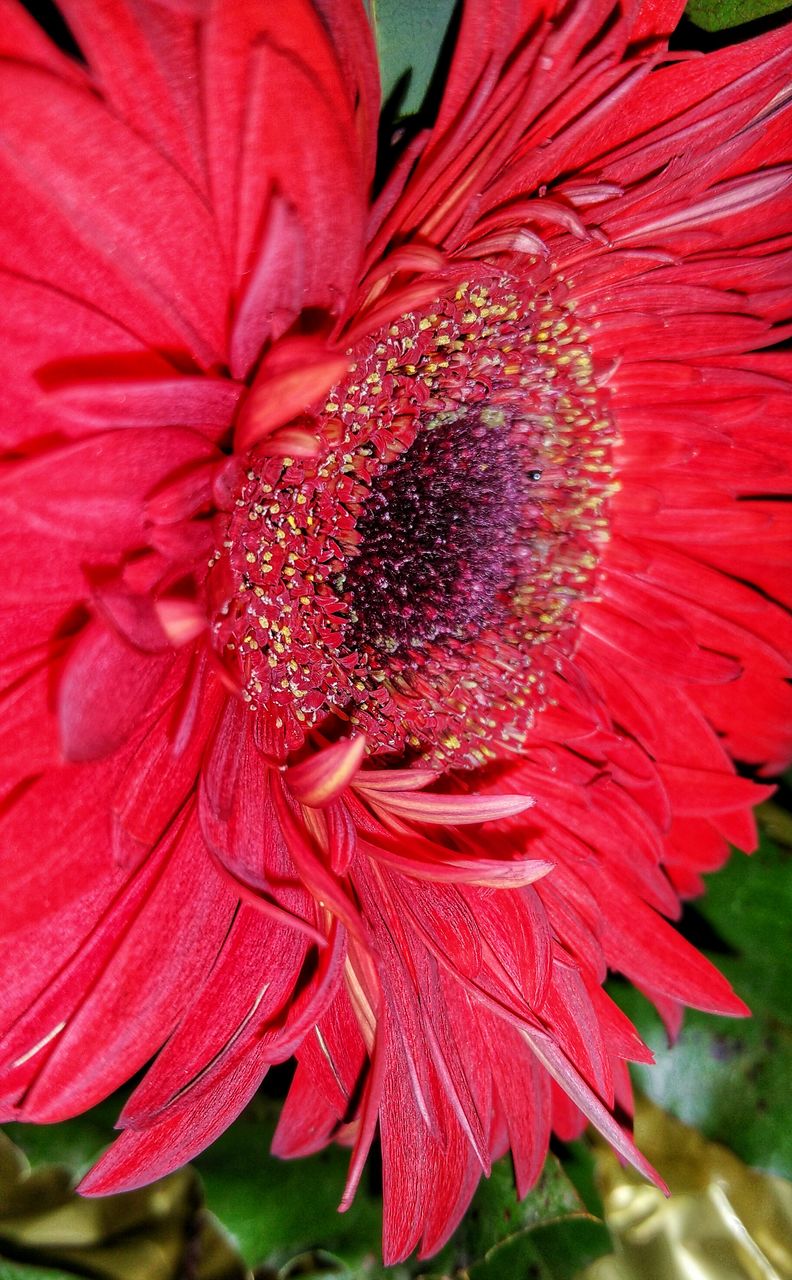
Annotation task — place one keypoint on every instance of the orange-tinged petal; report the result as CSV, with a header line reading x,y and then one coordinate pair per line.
x,y
453,810
295,441
182,619
293,377
378,780
318,780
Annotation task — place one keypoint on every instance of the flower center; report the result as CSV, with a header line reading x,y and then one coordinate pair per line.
x,y
419,578
437,539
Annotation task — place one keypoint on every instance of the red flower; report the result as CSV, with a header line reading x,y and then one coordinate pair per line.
x,y
387,585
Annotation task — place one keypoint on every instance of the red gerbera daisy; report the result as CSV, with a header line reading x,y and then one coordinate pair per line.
x,y
388,585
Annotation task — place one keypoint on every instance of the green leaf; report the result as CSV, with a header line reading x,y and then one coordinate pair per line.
x,y
718,15
496,1214
579,1163
558,1251
749,905
409,36
75,1143
21,1271
729,1078
277,1209
550,1234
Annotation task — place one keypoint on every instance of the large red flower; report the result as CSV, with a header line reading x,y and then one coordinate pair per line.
x,y
388,583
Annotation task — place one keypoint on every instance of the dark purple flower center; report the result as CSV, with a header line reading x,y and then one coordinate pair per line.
x,y
437,536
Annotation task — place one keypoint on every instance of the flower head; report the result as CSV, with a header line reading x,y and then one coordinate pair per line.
x,y
389,583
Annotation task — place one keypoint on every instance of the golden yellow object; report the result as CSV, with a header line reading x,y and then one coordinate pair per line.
x,y
723,1220
161,1232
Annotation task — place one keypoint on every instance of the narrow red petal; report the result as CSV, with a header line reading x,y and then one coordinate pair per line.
x,y
451,810
320,778
292,378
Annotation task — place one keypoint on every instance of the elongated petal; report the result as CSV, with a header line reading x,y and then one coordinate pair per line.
x,y
106,687
296,374
451,810
319,779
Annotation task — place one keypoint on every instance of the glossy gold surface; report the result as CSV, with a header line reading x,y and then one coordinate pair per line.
x,y
723,1220
158,1233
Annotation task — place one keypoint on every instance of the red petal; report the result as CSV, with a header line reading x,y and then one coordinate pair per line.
x,y
140,1156
23,39
147,71
413,856
523,1089
181,618
306,1121
642,945
257,969
162,773
39,325
320,778
576,1088
105,689
451,810
74,163
170,923
292,378
395,779
273,289
699,791
295,442
141,402
83,503
264,64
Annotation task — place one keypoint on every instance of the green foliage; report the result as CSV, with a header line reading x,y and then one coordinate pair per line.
x,y
21,1271
409,35
730,1078
718,15
550,1235
277,1209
